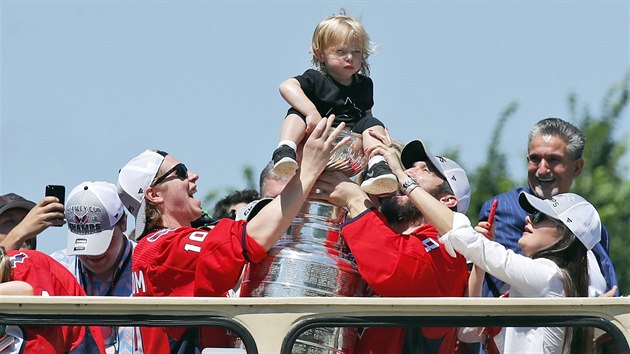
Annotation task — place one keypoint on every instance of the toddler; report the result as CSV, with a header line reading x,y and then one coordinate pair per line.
x,y
340,85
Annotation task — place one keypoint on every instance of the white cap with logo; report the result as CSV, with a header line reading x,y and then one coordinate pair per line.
x,y
92,211
572,210
453,173
133,179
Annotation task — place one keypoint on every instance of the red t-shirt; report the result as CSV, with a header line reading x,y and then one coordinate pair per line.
x,y
50,278
190,262
397,265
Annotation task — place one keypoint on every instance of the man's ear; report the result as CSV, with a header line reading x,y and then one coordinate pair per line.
x,y
153,195
123,222
577,168
450,201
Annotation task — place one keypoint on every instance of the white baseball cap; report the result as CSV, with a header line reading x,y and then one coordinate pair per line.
x,y
453,173
133,179
572,210
92,211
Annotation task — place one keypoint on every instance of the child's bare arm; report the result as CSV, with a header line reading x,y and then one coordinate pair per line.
x,y
475,282
292,92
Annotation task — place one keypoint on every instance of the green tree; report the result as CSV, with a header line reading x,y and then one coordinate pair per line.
x,y
604,180
492,177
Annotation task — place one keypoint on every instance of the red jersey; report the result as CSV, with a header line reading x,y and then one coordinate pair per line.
x,y
398,265
190,262
50,278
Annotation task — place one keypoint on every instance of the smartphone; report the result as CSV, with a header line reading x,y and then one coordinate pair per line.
x,y
493,210
53,190
58,191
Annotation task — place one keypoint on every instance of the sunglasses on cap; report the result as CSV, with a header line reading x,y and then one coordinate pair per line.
x,y
180,171
539,217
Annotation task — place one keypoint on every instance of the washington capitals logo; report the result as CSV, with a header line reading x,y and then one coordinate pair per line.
x,y
18,258
80,219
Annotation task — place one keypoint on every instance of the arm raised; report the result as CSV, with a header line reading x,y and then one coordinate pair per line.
x,y
273,220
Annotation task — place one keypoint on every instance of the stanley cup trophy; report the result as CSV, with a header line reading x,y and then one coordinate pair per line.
x,y
312,259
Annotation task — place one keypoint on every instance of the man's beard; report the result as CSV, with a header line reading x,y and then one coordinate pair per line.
x,y
396,213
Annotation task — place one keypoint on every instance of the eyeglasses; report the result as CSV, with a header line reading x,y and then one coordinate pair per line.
x,y
180,171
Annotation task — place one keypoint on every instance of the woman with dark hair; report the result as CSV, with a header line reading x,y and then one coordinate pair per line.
x,y
558,233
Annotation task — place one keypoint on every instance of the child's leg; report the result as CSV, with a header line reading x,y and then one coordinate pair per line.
x,y
293,129
370,141
285,155
379,178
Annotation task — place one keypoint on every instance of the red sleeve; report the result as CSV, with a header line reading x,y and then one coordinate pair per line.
x,y
221,262
396,265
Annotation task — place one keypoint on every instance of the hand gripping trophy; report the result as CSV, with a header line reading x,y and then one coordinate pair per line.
x,y
312,259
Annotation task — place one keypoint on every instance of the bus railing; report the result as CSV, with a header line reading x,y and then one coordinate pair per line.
x,y
271,325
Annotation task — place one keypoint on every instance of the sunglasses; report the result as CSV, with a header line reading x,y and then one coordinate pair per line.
x,y
538,217
180,171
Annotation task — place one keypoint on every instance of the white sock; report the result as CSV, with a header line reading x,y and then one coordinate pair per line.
x,y
288,143
375,159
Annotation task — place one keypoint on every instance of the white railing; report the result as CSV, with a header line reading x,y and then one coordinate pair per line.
x,y
270,325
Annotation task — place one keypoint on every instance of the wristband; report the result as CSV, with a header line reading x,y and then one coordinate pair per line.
x,y
408,185
410,189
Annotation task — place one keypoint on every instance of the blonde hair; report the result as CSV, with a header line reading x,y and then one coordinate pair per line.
x,y
152,212
335,31
152,217
5,266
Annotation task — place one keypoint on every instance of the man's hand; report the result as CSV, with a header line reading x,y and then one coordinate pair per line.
x,y
320,146
274,218
48,212
389,152
336,188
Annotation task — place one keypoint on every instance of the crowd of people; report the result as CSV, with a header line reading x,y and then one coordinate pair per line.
x,y
406,226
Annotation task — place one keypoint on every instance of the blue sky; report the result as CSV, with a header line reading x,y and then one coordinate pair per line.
x,y
87,85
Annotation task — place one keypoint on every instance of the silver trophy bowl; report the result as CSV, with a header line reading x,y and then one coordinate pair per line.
x,y
349,158
312,259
